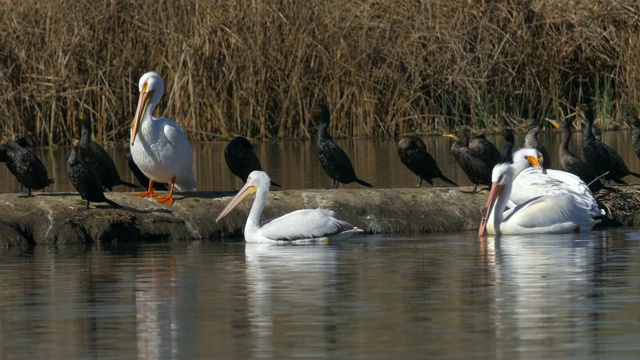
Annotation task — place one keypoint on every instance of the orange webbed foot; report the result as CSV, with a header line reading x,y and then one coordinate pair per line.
x,y
167,199
147,194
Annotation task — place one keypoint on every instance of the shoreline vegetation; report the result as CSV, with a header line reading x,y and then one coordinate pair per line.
x,y
252,68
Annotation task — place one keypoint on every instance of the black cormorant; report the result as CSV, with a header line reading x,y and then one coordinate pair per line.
x,y
531,140
605,160
97,159
25,166
570,162
487,151
241,159
85,180
413,154
334,160
142,178
477,170
507,150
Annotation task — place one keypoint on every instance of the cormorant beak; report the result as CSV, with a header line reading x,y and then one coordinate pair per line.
x,y
554,123
496,190
452,136
143,103
246,190
75,142
314,111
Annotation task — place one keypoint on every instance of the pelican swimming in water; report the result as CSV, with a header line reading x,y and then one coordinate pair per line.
x,y
158,145
532,180
298,226
548,214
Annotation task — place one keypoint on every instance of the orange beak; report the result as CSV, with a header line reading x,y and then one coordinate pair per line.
x,y
496,190
535,162
143,103
246,190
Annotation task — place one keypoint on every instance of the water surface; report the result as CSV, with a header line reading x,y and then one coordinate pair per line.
x,y
444,296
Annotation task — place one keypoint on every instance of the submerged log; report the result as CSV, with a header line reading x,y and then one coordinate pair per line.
x,y
55,218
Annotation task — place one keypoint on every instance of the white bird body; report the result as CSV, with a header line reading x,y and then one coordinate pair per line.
x,y
298,226
547,214
158,145
534,181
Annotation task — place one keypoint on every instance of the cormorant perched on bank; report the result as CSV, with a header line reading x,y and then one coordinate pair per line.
x,y
604,158
507,150
635,121
413,154
241,159
571,163
84,180
142,178
477,170
97,159
487,151
531,140
25,166
334,160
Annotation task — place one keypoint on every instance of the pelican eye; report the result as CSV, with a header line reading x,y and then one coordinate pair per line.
x,y
145,87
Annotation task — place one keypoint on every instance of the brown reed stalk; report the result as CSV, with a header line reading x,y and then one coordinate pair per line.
x,y
252,68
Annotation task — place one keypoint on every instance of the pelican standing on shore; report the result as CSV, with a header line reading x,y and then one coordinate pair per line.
x,y
298,226
158,145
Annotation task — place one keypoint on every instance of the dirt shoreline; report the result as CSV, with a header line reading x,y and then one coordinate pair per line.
x,y
53,218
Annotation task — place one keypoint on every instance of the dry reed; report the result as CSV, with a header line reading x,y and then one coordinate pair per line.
x,y
253,67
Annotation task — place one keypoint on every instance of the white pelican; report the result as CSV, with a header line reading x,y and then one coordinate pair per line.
x,y
158,145
533,181
301,225
540,215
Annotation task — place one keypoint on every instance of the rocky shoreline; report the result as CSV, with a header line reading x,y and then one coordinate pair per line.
x,y
53,218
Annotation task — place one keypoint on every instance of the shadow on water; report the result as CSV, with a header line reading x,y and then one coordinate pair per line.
x,y
295,164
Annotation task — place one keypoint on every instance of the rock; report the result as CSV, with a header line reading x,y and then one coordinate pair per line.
x,y
54,218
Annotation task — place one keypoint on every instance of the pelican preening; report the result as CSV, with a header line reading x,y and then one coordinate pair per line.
x,y
158,145
298,226
544,214
531,180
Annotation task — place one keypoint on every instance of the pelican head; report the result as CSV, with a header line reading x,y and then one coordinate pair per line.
x,y
151,90
501,177
533,156
257,180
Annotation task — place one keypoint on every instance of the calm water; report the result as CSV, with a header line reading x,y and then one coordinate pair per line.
x,y
437,296
295,164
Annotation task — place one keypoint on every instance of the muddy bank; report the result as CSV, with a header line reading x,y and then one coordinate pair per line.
x,y
54,217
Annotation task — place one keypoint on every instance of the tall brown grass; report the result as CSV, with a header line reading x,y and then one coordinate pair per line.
x,y
253,67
